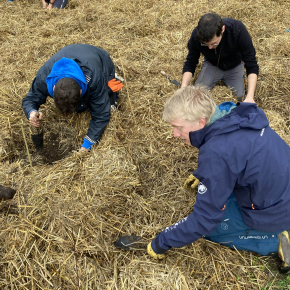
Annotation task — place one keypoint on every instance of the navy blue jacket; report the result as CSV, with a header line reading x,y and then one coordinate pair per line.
x,y
98,69
238,153
236,46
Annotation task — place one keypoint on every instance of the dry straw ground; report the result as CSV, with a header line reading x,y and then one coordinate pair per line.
x,y
57,232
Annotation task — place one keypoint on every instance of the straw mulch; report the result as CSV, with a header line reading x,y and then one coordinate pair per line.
x,y
58,231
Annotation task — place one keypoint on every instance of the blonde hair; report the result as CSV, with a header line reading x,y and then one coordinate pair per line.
x,y
189,104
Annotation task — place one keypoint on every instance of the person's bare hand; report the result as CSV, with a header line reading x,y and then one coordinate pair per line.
x,y
49,6
44,4
83,150
249,100
35,118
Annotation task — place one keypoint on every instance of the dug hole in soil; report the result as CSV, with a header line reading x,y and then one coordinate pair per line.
x,y
54,148
59,140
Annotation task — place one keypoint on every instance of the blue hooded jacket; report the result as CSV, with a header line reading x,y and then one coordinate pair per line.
x,y
238,153
97,68
66,68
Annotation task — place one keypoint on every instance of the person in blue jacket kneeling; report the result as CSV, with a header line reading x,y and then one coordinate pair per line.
x,y
243,177
78,77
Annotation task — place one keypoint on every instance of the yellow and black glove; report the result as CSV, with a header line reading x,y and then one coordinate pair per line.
x,y
191,182
115,85
151,253
284,252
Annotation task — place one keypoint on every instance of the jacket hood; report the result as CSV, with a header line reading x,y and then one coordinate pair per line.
x,y
244,116
66,68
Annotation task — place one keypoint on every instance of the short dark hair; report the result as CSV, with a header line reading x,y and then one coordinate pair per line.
x,y
67,95
209,26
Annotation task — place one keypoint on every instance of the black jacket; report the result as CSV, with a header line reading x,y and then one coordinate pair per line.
x,y
98,69
236,46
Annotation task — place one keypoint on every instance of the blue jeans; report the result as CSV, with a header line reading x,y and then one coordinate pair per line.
x,y
233,232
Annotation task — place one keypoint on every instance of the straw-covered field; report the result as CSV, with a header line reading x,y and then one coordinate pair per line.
x,y
58,231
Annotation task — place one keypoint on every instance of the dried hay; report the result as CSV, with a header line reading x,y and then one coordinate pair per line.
x,y
57,233
278,124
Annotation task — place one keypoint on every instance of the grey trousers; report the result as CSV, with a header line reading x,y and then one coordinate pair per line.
x,y
233,78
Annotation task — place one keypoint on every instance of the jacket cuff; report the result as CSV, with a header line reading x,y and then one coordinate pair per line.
x,y
252,71
156,248
87,144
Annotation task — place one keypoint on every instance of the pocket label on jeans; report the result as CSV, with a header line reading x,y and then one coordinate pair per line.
x,y
253,237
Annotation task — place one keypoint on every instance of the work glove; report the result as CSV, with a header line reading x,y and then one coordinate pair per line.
x,y
115,86
284,252
151,253
191,182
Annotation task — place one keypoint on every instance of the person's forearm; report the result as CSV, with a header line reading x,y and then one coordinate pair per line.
x,y
186,78
29,105
252,82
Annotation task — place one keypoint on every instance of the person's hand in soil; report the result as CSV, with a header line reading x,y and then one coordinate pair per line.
x,y
49,6
35,118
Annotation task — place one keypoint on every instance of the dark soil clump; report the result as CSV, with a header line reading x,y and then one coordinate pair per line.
x,y
6,192
6,209
54,149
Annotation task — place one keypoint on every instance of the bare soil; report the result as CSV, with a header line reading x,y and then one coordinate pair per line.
x,y
6,192
53,149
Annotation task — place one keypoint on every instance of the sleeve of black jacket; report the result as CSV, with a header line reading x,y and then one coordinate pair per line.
x,y
193,55
216,185
38,92
247,50
99,105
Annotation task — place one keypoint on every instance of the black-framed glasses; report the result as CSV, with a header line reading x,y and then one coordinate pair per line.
x,y
213,44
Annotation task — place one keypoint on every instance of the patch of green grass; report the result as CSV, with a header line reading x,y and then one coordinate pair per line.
x,y
281,283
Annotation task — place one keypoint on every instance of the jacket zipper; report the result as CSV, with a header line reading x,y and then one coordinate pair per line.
x,y
253,207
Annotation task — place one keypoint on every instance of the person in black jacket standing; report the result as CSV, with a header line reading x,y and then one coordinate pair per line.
x,y
227,48
77,77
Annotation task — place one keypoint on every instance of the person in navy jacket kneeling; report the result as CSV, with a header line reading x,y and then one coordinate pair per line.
x,y
243,177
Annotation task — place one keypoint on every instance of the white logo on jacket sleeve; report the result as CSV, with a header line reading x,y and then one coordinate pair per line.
x,y
170,228
262,132
201,188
